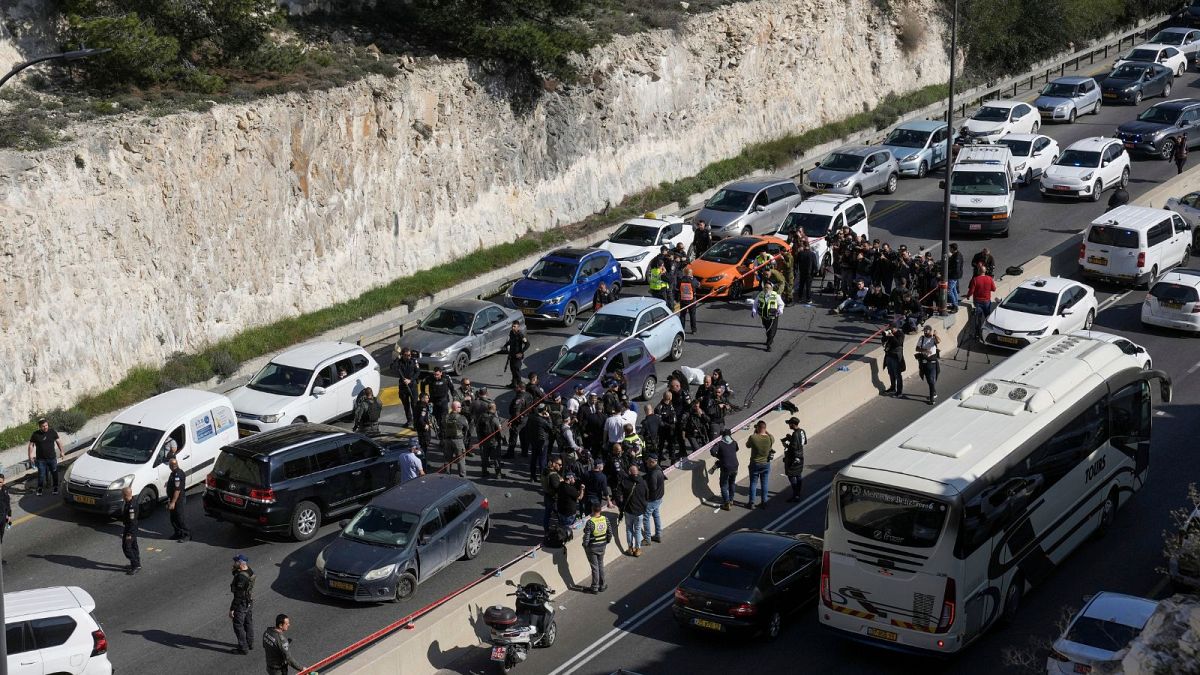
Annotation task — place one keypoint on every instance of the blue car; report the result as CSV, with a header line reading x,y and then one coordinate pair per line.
x,y
592,363
563,283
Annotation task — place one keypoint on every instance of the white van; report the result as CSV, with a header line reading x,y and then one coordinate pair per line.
x,y
982,190
52,630
1134,245
132,450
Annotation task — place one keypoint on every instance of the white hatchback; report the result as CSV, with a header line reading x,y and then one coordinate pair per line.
x,y
1087,168
637,241
1099,633
994,119
315,382
52,630
1150,52
816,217
1174,301
1039,307
1032,154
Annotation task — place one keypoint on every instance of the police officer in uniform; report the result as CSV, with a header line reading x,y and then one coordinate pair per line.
x,y
278,648
441,390
516,347
241,610
768,305
407,370
129,542
176,497
454,434
596,536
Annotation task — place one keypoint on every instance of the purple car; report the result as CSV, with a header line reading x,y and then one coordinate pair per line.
x,y
632,356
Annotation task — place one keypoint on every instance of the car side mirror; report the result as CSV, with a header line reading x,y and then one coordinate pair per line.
x,y
525,272
1139,350
343,523
422,540
644,335
1104,164
941,185
318,391
759,208
868,169
816,164
1066,311
477,331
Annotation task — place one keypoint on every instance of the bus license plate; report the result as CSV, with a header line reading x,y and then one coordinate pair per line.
x,y
975,226
84,499
234,499
703,623
499,653
881,634
341,586
1097,260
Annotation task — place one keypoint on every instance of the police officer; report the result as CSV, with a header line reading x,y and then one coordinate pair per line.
x,y
176,497
656,280
241,610
595,540
804,268
516,420
686,289
441,389
768,305
407,370
278,648
129,541
454,434
516,347
367,410
423,422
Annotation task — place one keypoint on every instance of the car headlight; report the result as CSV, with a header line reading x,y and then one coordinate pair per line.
x,y
380,573
556,299
1020,166
272,419
988,325
1130,89
1087,176
713,280
440,354
909,157
121,483
1061,106
842,183
636,258
1037,332
321,562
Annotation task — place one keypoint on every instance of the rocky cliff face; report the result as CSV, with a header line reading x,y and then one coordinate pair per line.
x,y
149,236
1170,642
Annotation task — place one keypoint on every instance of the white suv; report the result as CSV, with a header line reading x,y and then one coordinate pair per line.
x,y
1087,168
52,630
817,216
315,382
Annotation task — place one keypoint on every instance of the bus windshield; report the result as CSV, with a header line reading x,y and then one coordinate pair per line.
x,y
890,516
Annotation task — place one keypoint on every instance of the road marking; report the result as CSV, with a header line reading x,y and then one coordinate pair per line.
x,y
389,396
1194,368
1112,300
880,213
711,361
33,514
634,622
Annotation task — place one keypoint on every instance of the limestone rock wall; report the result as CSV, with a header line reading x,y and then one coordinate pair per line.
x,y
149,236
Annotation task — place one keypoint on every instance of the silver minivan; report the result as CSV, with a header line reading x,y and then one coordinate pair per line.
x,y
747,207
855,170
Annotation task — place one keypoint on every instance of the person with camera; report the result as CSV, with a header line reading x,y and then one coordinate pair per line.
x,y
893,360
927,359
793,456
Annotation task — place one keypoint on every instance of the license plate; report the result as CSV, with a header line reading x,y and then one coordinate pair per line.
x,y
818,191
1080,668
882,634
234,499
1172,305
1006,339
527,312
1109,94
1097,260
242,433
1062,187
1129,145
704,623
499,653
975,226
84,499
341,586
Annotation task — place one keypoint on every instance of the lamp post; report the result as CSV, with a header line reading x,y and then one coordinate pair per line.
x,y
55,58
944,286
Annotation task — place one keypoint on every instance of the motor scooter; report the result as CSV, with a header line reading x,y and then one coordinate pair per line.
x,y
513,633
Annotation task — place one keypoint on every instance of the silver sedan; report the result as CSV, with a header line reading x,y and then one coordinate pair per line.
x,y
458,333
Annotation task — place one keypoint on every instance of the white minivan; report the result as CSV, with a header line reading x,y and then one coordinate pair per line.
x,y
133,450
1134,245
52,630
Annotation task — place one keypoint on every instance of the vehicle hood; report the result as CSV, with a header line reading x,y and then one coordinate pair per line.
x,y
1117,83
1056,171
248,400
979,126
717,219
551,381
702,269
354,557
619,251
537,290
900,152
98,470
1141,128
428,342
823,175
1051,101
1007,319
978,201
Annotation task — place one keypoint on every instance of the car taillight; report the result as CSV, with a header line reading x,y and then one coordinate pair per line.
x,y
99,643
210,481
948,603
484,504
1082,250
742,610
1141,259
1196,308
681,596
265,496
826,596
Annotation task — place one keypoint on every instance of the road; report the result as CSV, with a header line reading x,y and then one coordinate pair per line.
x,y
177,606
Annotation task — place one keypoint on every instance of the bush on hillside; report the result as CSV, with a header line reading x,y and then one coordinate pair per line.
x,y
139,55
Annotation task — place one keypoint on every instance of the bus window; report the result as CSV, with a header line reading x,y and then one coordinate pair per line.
x,y
890,516
1130,423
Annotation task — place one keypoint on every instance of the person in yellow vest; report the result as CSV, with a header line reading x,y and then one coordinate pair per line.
x,y
656,279
596,536
762,264
687,290
768,305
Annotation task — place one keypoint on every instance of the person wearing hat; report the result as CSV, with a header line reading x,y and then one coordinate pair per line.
x,y
768,305
241,610
793,456
176,500
928,364
410,463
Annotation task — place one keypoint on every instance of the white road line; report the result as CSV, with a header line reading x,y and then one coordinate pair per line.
x,y
1112,300
1194,368
662,602
713,360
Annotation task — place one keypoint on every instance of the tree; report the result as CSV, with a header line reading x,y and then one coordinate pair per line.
x,y
139,54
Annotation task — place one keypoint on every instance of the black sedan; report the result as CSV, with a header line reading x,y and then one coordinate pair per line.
x,y
748,581
1132,82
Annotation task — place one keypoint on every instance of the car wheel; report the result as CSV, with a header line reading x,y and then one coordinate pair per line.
x,y
549,636
1036,126
474,544
649,387
615,290
1124,177
1167,90
892,182
570,314
1137,97
306,520
147,500
1097,190
1099,104
1181,71
1167,149
406,585
856,191
1012,600
774,624
1091,319
747,231
922,170
1004,234
1187,256
676,348
1108,513
461,361
1071,117
736,290
300,420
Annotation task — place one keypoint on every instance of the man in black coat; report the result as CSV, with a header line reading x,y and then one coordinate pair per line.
x,y
703,238
516,421
804,268
516,348
441,390
956,271
725,452
408,372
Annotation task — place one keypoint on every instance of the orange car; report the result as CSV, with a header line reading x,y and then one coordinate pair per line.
x,y
722,270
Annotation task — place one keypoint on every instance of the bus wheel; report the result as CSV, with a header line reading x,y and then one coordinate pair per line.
x,y
1012,600
1108,512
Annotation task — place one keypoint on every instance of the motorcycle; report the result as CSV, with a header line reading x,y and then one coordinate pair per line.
x,y
513,633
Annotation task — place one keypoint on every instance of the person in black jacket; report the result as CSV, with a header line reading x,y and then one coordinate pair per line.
x,y
487,430
538,430
516,421
956,272
656,489
695,428
408,371
423,421
725,452
516,346
984,257
278,649
441,390
893,360
633,507
129,533
241,609
6,509
716,410
591,419
595,485
793,456
651,428
805,267
703,238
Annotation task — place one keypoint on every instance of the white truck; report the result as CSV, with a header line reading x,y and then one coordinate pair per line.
x,y
982,190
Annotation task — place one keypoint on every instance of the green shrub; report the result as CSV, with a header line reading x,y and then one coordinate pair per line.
x,y
138,53
223,364
26,131
67,421
272,58
203,83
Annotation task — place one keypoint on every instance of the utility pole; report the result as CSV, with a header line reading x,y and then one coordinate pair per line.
x,y
945,282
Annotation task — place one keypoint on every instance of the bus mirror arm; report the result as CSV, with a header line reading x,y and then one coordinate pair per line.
x,y
1164,383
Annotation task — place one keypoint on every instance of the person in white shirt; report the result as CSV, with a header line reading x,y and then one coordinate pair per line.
x,y
927,359
769,306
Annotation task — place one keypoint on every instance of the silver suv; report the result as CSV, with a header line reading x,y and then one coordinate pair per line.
x,y
855,170
749,206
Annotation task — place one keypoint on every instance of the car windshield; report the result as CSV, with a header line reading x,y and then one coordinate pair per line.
x,y
277,378
1107,635
1166,291
990,114
635,235
907,138
726,252
1018,148
377,525
733,201
1159,115
1059,89
1079,158
1129,72
601,325
813,224
572,361
1167,37
554,271
1031,301
127,443
1112,236
888,516
1142,55
731,574
979,183
448,321
841,161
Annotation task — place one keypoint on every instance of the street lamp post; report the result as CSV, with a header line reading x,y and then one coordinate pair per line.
x,y
944,286
56,58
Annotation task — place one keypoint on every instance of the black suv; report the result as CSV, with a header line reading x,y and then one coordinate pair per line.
x,y
1161,126
290,479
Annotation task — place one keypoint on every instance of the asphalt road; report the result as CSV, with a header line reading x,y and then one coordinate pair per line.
x,y
177,606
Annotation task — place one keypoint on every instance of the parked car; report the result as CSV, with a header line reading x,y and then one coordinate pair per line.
x,y
918,146
1160,127
402,538
1086,169
1132,82
1099,633
1134,244
1174,301
994,119
1186,40
52,630
648,318
748,207
1164,55
1066,98
1126,345
1039,307
817,216
855,170
1188,205
1032,154
288,481
1183,565
132,451
724,269
637,241
590,364
563,283
458,333
748,582
1190,14
315,382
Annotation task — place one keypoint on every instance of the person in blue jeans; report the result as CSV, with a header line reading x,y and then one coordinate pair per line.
x,y
633,509
725,452
762,451
656,489
42,446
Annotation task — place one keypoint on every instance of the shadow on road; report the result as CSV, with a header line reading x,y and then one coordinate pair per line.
x,y
177,641
81,563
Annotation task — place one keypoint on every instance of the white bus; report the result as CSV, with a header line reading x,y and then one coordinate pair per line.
x,y
935,535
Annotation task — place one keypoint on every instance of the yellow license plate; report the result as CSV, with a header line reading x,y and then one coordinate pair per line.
x,y
242,433
704,623
1097,260
1109,94
341,586
1172,305
84,499
1007,340
528,312
882,634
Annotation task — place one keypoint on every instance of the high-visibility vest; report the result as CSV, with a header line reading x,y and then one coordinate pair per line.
x,y
768,303
762,259
655,280
687,292
599,528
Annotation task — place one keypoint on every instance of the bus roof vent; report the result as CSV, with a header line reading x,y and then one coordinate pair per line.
x,y
938,444
1018,393
988,389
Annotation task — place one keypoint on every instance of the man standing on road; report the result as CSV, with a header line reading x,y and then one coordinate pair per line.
x,y
956,272
550,492
893,360
408,370
725,452
1179,156
367,410
454,431
793,456
42,444
278,648
176,498
595,542
423,422
980,292
633,507
769,306
703,238
656,489
656,279
487,430
129,541
241,610
516,420
441,391
516,348
762,450
410,464
686,290
804,268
